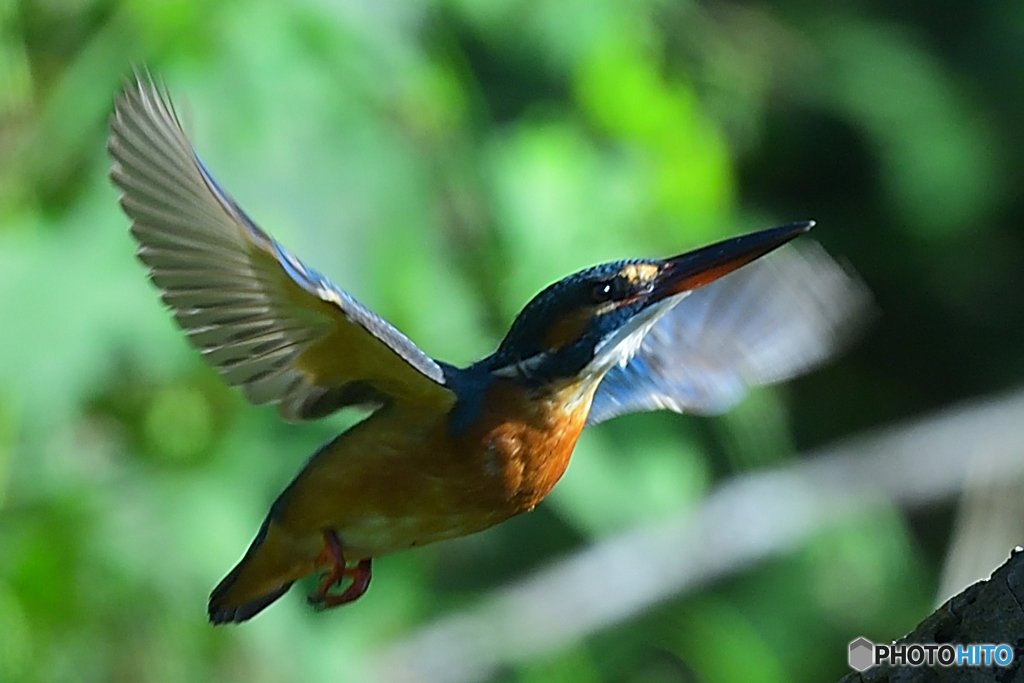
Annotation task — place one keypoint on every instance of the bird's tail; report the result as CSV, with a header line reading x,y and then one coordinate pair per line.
x,y
264,574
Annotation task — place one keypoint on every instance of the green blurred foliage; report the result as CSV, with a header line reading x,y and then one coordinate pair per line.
x,y
443,161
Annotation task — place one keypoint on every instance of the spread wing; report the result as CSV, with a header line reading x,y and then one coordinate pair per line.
x,y
267,323
769,321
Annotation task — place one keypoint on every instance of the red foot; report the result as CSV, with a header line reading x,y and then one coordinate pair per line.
x,y
360,574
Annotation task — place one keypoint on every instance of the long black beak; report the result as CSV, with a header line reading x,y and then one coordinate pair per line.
x,y
699,267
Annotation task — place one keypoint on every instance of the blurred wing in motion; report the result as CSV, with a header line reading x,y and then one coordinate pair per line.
x,y
279,330
770,320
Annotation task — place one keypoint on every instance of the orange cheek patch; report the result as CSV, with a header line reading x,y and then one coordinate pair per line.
x,y
567,330
639,272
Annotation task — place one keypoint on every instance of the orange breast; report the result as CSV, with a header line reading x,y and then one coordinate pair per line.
x,y
401,479
523,442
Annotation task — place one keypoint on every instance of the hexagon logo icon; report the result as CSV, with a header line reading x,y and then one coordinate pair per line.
x,y
861,655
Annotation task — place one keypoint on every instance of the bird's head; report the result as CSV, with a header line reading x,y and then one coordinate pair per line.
x,y
584,324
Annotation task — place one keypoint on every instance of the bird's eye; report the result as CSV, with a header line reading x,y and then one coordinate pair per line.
x,y
616,288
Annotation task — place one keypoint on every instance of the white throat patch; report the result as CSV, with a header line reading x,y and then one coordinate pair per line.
x,y
620,346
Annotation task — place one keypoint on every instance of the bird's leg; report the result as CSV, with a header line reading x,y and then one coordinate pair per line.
x,y
332,553
360,574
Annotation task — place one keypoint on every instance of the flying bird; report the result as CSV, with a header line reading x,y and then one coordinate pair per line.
x,y
447,451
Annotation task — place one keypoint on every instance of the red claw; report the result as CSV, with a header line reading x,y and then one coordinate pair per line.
x,y
360,574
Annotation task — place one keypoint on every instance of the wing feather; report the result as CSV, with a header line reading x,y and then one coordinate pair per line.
x,y
771,320
279,330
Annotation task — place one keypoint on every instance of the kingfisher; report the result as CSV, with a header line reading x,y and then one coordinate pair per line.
x,y
446,451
